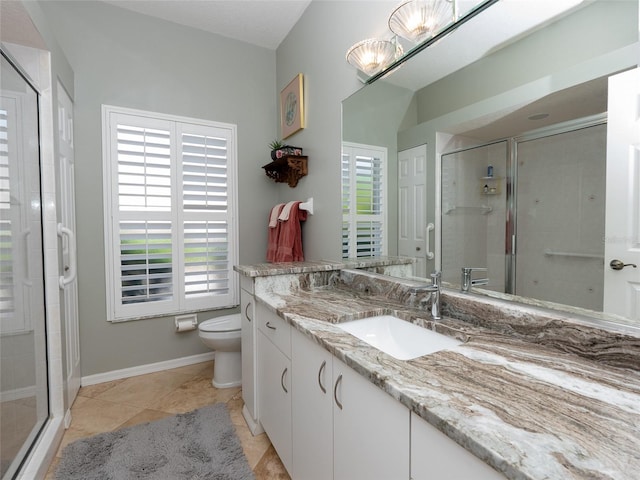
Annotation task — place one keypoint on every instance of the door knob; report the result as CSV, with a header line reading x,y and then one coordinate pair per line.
x,y
619,265
417,249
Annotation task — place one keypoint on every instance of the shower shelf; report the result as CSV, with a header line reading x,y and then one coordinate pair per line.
x,y
493,184
484,209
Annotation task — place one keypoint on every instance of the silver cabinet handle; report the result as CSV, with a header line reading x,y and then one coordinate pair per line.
x,y
246,311
270,326
284,372
335,391
324,364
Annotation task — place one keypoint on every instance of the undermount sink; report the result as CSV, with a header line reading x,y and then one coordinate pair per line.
x,y
396,337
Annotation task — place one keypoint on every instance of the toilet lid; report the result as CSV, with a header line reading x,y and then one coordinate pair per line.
x,y
226,323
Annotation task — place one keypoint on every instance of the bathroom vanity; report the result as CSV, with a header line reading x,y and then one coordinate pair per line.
x,y
527,394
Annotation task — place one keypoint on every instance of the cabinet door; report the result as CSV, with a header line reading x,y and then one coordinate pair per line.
x,y
274,397
249,379
436,456
371,430
312,409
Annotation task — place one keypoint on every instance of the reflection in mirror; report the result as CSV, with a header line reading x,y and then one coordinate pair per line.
x,y
544,193
479,104
474,213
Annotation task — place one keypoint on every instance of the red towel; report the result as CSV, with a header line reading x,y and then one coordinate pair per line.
x,y
272,236
285,240
290,236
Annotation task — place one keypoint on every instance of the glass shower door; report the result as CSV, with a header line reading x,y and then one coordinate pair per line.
x,y
24,406
561,186
474,213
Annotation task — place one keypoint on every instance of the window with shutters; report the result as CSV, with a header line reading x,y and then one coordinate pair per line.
x,y
364,192
170,200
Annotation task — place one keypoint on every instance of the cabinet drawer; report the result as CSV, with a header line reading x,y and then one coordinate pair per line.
x,y
274,328
247,284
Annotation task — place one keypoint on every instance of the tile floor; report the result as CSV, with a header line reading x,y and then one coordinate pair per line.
x,y
121,403
17,418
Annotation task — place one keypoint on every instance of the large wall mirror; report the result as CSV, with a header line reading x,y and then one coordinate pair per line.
x,y
496,153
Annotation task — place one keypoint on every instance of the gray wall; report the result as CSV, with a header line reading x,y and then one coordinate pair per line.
x,y
316,47
126,59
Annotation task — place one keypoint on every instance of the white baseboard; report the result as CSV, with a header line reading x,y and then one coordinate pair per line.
x,y
18,394
144,369
67,419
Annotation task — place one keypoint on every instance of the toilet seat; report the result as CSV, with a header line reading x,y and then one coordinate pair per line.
x,y
226,323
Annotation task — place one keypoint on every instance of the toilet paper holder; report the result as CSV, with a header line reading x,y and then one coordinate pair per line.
x,y
185,323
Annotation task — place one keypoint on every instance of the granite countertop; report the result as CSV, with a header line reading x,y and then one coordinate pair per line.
x,y
529,404
287,268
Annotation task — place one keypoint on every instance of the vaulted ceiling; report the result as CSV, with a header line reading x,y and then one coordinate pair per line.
x,y
260,22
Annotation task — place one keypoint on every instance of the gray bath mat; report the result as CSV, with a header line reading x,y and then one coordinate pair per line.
x,y
199,445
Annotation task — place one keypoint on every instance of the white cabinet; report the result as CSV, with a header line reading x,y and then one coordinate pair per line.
x,y
347,428
274,381
312,409
370,430
327,422
436,456
248,343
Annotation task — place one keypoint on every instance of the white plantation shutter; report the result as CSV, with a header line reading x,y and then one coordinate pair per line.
x,y
145,261
363,197
8,222
346,202
144,214
171,241
205,204
7,303
14,214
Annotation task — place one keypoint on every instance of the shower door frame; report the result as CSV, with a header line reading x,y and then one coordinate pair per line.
x,y
509,205
41,350
511,184
35,65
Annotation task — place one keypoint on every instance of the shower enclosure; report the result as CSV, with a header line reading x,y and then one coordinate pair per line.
x,y
531,210
24,406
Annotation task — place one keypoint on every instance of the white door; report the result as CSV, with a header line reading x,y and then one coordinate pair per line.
x,y
413,232
622,228
66,229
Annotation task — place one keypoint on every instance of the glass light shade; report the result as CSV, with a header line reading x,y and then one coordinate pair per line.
x,y
371,56
418,20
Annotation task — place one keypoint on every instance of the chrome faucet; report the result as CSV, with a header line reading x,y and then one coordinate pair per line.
x,y
434,293
467,282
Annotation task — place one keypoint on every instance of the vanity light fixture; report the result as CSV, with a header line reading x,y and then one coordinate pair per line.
x,y
371,56
418,20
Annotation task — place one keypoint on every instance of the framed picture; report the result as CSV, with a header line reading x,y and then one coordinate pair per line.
x,y
292,107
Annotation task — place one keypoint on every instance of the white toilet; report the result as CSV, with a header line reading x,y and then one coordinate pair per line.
x,y
222,334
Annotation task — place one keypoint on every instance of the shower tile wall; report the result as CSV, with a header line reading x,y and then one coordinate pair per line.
x,y
561,202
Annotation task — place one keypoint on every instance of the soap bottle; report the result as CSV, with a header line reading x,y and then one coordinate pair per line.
x,y
486,189
490,171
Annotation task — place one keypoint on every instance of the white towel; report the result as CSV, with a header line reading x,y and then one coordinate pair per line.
x,y
284,215
273,218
